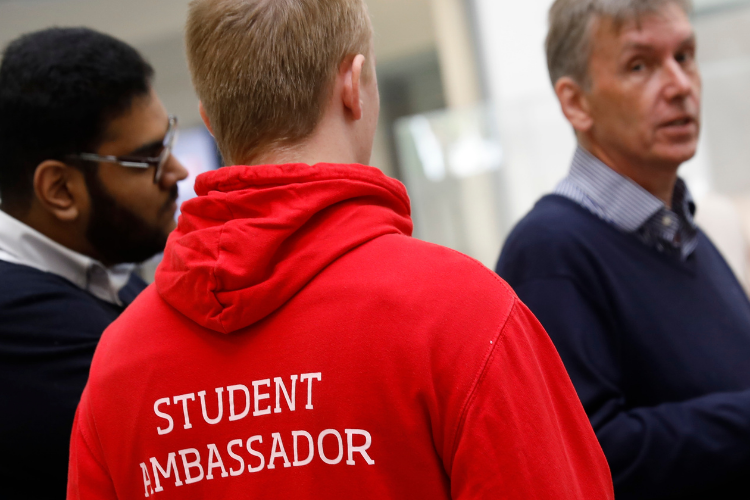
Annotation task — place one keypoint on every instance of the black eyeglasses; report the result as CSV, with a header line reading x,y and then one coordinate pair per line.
x,y
140,161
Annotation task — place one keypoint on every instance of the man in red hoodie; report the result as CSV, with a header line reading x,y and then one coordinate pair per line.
x,y
297,342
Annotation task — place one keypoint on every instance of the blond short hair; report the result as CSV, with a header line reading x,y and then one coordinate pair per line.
x,y
570,22
264,69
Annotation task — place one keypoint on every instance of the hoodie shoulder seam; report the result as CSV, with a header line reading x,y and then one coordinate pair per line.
x,y
479,378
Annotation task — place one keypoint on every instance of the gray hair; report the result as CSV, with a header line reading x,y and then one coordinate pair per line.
x,y
568,40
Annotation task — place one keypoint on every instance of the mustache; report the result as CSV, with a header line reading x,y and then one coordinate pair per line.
x,y
174,193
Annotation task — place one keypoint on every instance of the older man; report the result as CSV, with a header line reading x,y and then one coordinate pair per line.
x,y
87,182
653,327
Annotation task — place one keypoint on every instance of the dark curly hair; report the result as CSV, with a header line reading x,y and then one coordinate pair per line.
x,y
59,89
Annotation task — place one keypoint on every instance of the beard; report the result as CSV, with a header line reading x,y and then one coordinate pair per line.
x,y
119,235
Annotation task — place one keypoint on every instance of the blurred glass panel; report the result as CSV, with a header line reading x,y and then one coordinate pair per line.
x,y
196,150
452,166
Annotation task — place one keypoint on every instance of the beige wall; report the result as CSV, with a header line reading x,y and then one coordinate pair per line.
x,y
724,57
155,27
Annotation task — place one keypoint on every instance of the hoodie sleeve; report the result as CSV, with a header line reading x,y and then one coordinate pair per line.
x,y
88,477
524,434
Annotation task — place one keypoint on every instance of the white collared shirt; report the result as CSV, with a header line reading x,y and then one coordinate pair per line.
x,y
21,244
621,202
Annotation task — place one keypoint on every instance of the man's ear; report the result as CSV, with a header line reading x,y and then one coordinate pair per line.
x,y
351,70
574,103
204,117
60,189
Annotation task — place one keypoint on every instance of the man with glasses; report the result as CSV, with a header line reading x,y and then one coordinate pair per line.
x,y
87,184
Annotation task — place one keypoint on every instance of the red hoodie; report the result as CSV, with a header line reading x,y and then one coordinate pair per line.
x,y
298,343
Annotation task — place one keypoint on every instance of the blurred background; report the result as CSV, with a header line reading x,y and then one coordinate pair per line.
x,y
469,121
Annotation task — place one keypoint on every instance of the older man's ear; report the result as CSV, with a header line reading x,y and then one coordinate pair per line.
x,y
574,103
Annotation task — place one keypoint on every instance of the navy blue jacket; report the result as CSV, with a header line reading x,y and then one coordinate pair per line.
x,y
49,329
657,348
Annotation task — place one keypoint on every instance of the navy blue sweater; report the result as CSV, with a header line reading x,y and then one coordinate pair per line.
x,y
657,348
49,329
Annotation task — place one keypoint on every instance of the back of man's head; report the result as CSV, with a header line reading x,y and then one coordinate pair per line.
x,y
568,44
59,88
264,69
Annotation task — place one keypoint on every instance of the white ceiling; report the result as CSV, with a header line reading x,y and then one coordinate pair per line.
x,y
402,28
135,21
707,5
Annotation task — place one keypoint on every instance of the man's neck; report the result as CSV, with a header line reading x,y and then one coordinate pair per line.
x,y
659,180
282,155
331,142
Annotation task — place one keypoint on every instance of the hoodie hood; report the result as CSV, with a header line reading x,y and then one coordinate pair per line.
x,y
255,236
